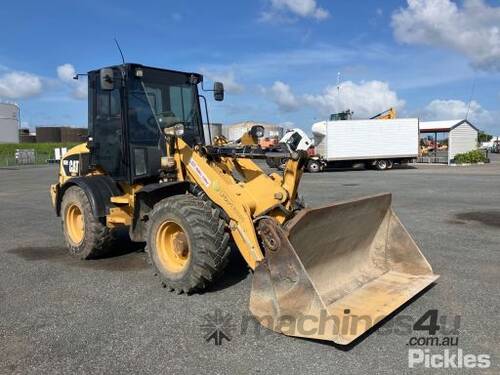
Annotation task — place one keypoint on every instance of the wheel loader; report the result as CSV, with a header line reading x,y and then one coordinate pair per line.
x,y
145,168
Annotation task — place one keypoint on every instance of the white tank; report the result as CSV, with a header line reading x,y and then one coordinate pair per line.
x,y
319,128
233,132
319,134
215,131
9,123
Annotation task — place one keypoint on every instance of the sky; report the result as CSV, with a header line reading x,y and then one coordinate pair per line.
x,y
291,62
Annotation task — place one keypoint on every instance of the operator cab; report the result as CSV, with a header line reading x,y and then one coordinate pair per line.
x,y
130,105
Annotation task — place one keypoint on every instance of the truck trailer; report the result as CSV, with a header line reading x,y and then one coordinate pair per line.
x,y
377,144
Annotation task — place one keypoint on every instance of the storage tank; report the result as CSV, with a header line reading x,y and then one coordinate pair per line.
x,y
48,134
235,131
215,131
9,123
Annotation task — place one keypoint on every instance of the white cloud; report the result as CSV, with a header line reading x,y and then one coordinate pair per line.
x,y
227,77
365,99
472,30
81,89
301,8
283,96
19,85
66,72
440,109
443,109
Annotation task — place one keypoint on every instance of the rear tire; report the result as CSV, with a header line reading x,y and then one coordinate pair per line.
x,y
187,243
85,235
381,165
390,164
313,166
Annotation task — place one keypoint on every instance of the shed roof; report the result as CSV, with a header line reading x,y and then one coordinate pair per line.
x,y
442,126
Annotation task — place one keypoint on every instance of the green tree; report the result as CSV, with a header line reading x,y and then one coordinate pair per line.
x,y
484,137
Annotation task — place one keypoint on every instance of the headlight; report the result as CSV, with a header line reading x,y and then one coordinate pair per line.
x,y
257,131
177,130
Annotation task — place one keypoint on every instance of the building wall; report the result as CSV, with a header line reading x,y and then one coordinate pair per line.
x,y
9,123
27,138
56,134
48,134
71,135
463,138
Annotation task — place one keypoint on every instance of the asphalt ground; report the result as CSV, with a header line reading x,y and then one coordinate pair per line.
x,y
60,315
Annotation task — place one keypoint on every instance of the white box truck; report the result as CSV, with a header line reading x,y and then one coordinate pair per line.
x,y
375,143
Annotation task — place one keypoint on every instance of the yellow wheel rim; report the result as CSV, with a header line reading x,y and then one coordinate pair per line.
x,y
172,246
75,226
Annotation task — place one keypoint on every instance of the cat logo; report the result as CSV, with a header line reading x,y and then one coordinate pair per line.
x,y
73,166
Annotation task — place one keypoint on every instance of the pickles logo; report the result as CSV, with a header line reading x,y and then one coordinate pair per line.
x,y
447,359
218,326
441,336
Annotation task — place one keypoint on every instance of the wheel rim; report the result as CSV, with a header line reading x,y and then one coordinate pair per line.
x,y
382,164
314,167
172,246
75,226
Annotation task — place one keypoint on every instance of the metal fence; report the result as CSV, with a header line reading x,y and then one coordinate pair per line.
x,y
442,157
433,159
26,157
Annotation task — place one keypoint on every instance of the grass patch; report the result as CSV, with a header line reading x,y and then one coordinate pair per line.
x,y
43,151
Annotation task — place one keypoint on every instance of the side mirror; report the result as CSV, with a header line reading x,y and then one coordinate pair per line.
x,y
218,91
106,78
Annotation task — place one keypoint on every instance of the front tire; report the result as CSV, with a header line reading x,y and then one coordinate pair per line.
x,y
313,166
85,235
187,243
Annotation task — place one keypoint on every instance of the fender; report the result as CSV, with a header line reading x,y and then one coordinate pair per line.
x,y
146,198
99,190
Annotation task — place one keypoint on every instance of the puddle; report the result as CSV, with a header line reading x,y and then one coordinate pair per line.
x,y
490,218
122,259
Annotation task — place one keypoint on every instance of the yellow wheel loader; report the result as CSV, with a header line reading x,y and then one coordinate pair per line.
x,y
145,167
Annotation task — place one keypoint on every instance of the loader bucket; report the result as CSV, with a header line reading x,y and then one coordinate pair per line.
x,y
334,272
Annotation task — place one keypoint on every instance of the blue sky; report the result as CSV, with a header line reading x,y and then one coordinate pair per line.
x,y
279,59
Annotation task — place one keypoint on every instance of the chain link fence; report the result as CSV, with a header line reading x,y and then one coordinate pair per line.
x,y
23,156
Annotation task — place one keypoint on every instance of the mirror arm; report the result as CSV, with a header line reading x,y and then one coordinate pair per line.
x,y
206,90
78,75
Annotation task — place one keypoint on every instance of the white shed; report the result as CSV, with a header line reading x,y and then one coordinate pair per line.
x,y
462,135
